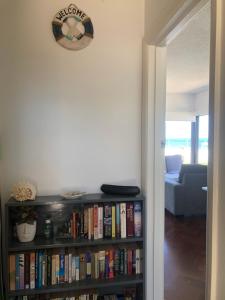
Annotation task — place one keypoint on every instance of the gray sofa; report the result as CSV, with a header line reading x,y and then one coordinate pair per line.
x,y
184,194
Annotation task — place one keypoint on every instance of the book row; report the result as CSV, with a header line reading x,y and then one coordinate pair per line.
x,y
119,220
126,296
48,268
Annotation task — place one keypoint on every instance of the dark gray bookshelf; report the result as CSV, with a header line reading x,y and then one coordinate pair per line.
x,y
53,205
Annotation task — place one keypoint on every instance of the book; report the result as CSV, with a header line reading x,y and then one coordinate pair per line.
x,y
100,222
107,221
54,281
61,268
32,270
49,267
88,265
96,265
137,219
44,270
123,220
27,271
21,271
66,268
86,214
77,268
107,264
113,221
12,272
111,264
82,267
117,262
130,220
129,262
39,275
102,264
121,261
90,223
118,220
138,261
70,268
95,220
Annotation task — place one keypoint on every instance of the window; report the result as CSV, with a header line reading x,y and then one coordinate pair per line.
x,y
178,139
203,140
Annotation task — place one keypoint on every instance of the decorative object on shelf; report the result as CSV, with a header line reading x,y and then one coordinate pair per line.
x,y
72,195
25,218
48,229
72,28
24,191
120,190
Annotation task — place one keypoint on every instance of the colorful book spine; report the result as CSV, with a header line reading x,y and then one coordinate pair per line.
x,y
54,281
95,222
88,265
61,268
32,270
82,267
137,219
123,220
107,221
27,271
118,234
111,264
77,268
113,221
100,222
101,264
130,220
21,271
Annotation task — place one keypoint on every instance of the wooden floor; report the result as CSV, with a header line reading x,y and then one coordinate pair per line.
x,y
185,255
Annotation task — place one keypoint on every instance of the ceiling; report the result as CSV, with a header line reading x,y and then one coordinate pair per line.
x,y
188,56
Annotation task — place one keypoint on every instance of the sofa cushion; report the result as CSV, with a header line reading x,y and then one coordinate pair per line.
x,y
191,169
173,164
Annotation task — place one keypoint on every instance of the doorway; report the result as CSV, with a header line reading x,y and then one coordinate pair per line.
x,y
186,159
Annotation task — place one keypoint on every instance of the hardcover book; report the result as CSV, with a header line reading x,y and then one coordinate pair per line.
x,y
137,219
130,220
107,221
123,220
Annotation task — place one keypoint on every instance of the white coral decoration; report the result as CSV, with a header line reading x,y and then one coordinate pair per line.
x,y
23,191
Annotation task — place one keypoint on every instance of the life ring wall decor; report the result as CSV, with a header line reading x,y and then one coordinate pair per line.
x,y
72,28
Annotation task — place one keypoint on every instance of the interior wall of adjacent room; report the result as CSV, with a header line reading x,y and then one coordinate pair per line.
x,y
71,119
180,107
202,102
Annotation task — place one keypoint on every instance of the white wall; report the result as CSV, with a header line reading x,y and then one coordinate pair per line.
x,y
186,106
71,119
180,107
202,103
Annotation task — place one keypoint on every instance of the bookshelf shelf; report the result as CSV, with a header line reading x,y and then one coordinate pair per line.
x,y
82,285
118,251
43,244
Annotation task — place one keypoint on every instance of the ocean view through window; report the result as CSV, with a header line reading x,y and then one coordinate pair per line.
x,y
178,139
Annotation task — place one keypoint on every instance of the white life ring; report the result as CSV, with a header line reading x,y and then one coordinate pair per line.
x,y
72,28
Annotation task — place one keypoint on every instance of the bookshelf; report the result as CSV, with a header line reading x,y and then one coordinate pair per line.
x,y
60,210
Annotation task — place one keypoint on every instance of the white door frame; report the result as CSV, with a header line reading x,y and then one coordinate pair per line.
x,y
153,137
